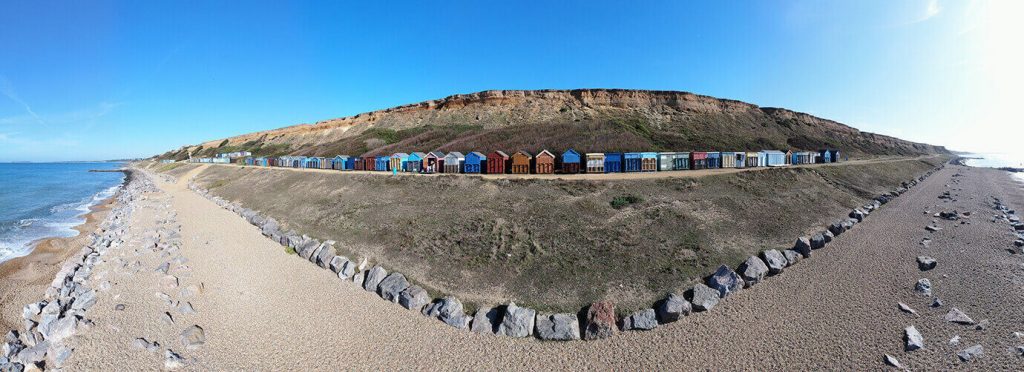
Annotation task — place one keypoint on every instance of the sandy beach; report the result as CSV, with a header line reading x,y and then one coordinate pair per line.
x,y
24,279
263,308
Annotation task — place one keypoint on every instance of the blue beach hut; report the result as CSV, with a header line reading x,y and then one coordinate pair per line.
x,y
475,162
381,163
415,162
714,160
339,162
613,162
633,161
570,161
774,158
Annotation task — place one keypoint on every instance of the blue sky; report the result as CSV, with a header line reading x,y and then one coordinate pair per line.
x,y
100,80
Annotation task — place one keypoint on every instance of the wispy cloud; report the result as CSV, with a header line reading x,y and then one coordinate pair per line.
x,y
7,89
80,116
932,9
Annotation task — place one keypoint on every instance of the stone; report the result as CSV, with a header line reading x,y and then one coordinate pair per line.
x,y
858,215
324,257
172,360
33,354
169,281
792,257
923,286
956,316
906,308
600,321
164,267
641,320
817,241
58,355
358,279
753,271
936,303
193,337
803,246
558,327
449,310
954,341
932,228
373,278
517,322
913,338
486,320
836,228
672,308
413,298
186,308
348,268
775,261
982,325
892,361
61,329
392,286
925,263
828,235
337,263
143,344
31,310
971,353
725,281
84,300
704,298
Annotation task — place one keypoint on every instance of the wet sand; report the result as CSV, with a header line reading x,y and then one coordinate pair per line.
x,y
265,309
23,280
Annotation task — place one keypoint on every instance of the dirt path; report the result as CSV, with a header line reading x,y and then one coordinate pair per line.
x,y
262,308
607,176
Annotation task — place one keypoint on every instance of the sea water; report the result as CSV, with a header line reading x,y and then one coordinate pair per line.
x,y
47,200
998,160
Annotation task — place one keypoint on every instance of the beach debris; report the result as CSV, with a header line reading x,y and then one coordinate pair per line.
x,y
672,308
906,308
792,257
956,316
172,360
803,246
913,338
704,298
971,353
413,298
392,286
486,320
923,286
774,260
892,361
925,263
518,321
557,327
193,337
937,302
600,321
144,344
642,320
753,271
926,241
725,281
955,340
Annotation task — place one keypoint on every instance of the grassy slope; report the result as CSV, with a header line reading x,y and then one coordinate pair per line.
x,y
557,245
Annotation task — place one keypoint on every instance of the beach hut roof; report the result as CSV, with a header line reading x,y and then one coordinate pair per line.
x,y
436,154
545,153
477,154
500,153
524,153
455,154
417,154
400,155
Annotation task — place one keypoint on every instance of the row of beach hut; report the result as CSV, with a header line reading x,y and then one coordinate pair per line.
x,y
546,162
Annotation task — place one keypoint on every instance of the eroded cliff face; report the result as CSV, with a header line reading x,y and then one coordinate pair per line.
x,y
585,119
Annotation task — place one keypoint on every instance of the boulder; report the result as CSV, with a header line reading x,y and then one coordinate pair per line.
x,y
193,337
34,354
88,298
792,257
956,316
641,320
753,271
337,263
373,278
775,261
600,321
392,286
925,263
704,298
913,339
672,308
828,235
486,320
558,327
413,298
449,310
803,246
348,268
817,241
358,278
61,328
518,321
324,257
836,228
725,281
923,286
971,353
858,215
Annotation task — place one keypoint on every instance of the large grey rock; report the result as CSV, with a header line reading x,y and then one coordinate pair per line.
x,y
923,286
84,300
324,257
956,316
725,281
913,339
58,355
753,271
33,354
803,246
672,308
61,329
642,320
31,310
558,327
348,268
828,235
925,263
971,353
775,261
792,257
449,310
486,320
836,228
817,241
193,337
392,286
518,321
337,263
858,215
413,298
704,298
373,278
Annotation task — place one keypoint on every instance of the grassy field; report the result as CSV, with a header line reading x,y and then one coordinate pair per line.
x,y
555,244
